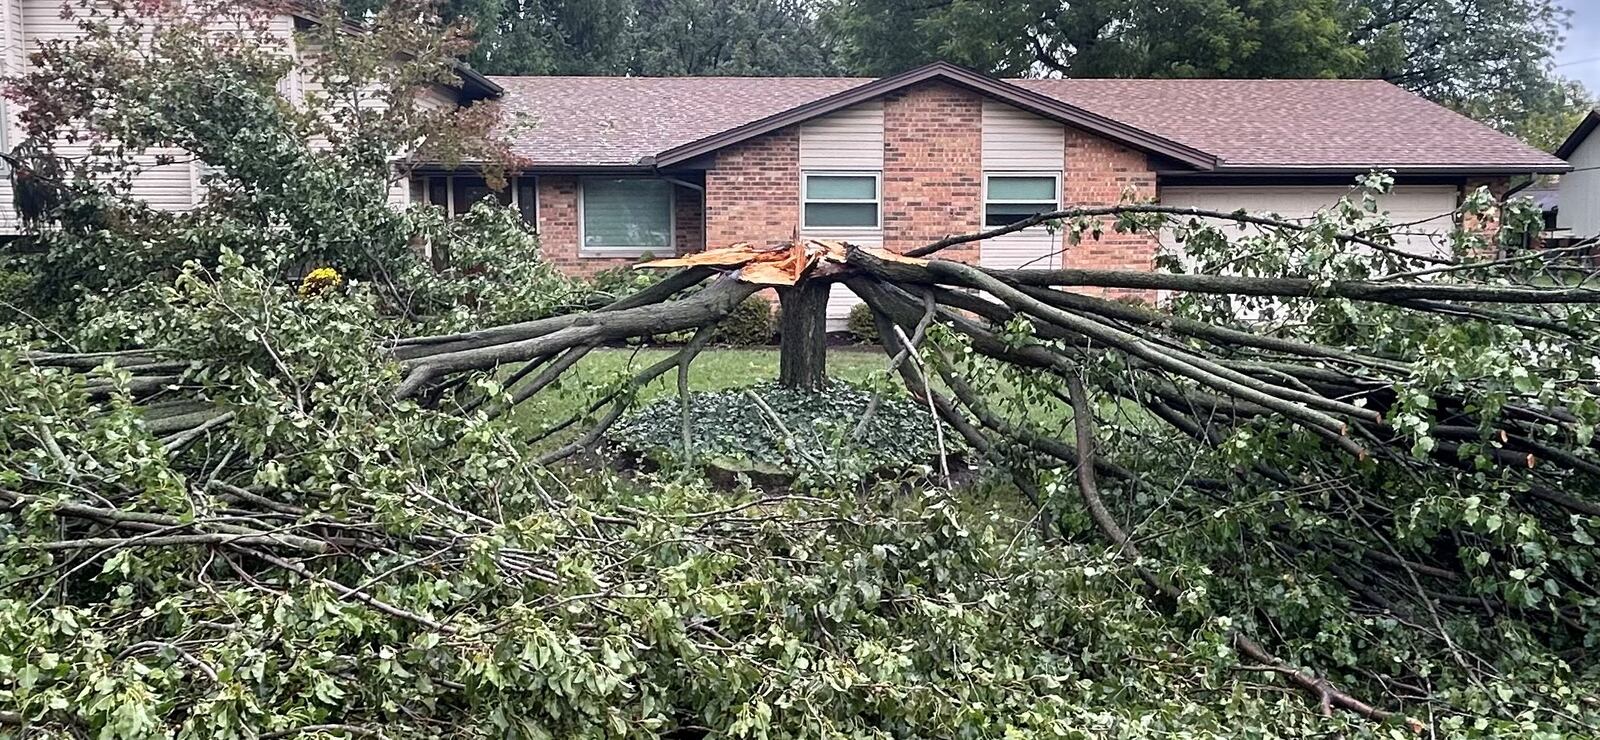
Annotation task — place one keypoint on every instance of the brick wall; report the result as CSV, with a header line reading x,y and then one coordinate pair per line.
x,y
1487,225
558,226
753,191
1100,172
932,187
932,168
688,220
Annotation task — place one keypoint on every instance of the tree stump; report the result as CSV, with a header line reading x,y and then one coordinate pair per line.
x,y
803,341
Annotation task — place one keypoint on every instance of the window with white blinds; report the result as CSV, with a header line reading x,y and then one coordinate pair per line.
x,y
1013,197
625,217
841,200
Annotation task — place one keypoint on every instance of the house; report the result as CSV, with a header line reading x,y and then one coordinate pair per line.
x,y
1579,215
617,168
623,167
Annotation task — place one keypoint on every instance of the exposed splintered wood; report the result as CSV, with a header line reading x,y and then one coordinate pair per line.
x,y
803,345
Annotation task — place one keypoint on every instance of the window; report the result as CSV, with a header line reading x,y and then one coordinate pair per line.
x,y
528,200
1012,198
841,201
625,217
470,190
439,192
457,193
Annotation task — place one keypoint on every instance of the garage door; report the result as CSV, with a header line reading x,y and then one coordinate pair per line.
x,y
1423,212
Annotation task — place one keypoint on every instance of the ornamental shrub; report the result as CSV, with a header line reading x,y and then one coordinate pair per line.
x,y
861,326
750,324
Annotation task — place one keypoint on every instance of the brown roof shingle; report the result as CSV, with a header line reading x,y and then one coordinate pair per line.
x,y
1246,124
586,121
1299,123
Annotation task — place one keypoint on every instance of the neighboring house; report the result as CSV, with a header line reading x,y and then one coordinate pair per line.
x,y
25,24
1579,214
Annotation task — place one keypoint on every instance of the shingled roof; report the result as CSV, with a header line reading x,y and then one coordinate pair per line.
x,y
1203,125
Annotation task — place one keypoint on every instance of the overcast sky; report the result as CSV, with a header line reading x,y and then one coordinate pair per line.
x,y
1580,58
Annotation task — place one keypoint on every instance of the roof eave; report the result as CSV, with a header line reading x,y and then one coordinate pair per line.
x,y
1022,98
1463,170
475,85
1579,135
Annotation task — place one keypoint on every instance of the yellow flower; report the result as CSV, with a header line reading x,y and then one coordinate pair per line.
x,y
320,281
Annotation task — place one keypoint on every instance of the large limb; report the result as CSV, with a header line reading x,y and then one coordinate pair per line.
x,y
1129,209
702,309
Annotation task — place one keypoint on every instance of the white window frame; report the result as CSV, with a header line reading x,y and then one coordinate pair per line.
x,y
1055,176
877,188
586,251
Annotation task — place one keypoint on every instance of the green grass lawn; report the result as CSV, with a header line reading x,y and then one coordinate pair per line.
x,y
713,369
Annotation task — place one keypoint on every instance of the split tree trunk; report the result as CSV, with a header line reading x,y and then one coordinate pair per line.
x,y
803,341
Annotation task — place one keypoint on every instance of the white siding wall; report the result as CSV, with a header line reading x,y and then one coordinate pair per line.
x,y
1014,139
12,59
24,24
1425,210
1017,141
850,140
1580,191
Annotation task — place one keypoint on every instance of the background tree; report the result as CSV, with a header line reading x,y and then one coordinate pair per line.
x,y
1487,58
645,37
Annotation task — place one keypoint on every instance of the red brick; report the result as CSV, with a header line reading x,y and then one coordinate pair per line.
x,y
753,191
1100,172
558,227
932,168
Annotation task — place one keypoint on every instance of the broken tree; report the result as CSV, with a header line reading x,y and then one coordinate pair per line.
x,y
1388,418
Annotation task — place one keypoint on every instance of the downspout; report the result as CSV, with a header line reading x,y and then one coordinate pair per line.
x,y
651,163
700,189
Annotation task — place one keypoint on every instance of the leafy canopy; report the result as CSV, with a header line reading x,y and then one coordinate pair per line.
x,y
296,156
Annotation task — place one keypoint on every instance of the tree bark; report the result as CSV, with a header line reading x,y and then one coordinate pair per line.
x,y
803,341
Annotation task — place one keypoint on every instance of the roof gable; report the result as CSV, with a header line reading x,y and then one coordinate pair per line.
x,y
1014,95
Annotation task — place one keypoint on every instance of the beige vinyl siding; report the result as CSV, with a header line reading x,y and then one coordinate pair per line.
x,y
1014,139
1580,191
851,139
1033,249
846,142
1426,211
1018,142
41,20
